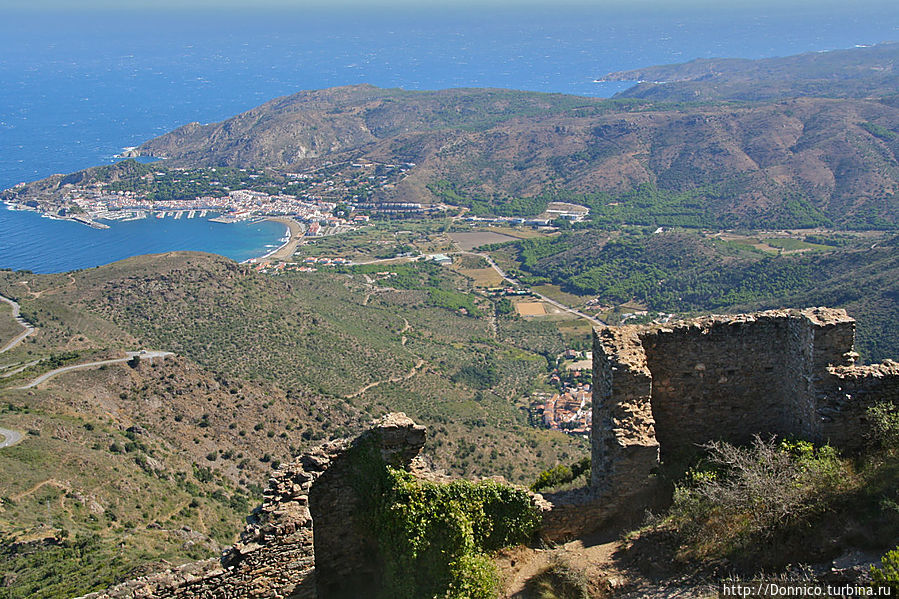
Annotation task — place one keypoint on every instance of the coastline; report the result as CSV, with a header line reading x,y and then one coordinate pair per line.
x,y
83,220
30,241
294,229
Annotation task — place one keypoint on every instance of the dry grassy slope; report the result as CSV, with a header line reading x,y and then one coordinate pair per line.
x,y
235,321
163,462
137,465
321,123
196,412
314,336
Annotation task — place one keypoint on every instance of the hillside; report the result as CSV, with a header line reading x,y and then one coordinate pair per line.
x,y
867,72
809,162
798,157
684,272
266,368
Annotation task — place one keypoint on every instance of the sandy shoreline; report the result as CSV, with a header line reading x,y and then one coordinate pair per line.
x,y
290,246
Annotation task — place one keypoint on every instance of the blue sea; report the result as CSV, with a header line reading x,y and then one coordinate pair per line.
x,y
78,86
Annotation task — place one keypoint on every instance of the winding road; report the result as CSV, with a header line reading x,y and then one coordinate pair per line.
x,y
542,297
10,437
143,355
15,314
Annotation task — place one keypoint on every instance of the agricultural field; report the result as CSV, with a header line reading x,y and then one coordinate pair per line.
x,y
469,240
526,308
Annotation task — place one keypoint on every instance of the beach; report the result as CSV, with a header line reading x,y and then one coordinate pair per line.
x,y
284,252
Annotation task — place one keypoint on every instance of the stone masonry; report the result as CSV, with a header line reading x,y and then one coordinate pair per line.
x,y
280,553
661,391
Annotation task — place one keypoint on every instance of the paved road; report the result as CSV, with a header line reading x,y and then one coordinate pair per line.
x,y
550,301
10,438
144,355
506,277
15,314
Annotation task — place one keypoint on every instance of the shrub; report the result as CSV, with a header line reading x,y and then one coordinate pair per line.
x,y
433,539
561,581
552,477
747,494
884,420
560,474
888,573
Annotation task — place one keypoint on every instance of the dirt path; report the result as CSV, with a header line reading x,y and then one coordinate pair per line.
x,y
395,379
592,556
172,513
10,437
50,481
19,369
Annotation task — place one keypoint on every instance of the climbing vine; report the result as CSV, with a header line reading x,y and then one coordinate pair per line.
x,y
434,539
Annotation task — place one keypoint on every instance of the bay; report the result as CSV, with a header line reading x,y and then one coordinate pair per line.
x,y
77,86
29,241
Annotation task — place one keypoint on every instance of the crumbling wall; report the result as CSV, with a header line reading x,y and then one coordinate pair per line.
x,y
783,372
305,524
850,391
624,435
661,391
344,564
716,379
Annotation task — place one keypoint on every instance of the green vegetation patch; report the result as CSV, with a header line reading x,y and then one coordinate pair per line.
x,y
680,271
561,474
790,244
878,131
423,276
434,539
772,503
494,204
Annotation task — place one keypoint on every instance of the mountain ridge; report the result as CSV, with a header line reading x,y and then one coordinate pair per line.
x,y
745,161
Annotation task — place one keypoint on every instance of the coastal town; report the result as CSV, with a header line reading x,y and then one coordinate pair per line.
x,y
328,196
332,194
569,408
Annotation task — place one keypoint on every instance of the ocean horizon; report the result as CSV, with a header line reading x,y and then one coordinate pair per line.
x,y
81,86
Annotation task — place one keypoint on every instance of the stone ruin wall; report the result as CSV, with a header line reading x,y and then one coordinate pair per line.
x,y
658,391
280,554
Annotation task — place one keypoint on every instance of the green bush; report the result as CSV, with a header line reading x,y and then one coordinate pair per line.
x,y
433,539
561,474
552,477
888,573
884,420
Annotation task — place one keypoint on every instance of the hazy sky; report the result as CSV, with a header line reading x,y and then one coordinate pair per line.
x,y
262,5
